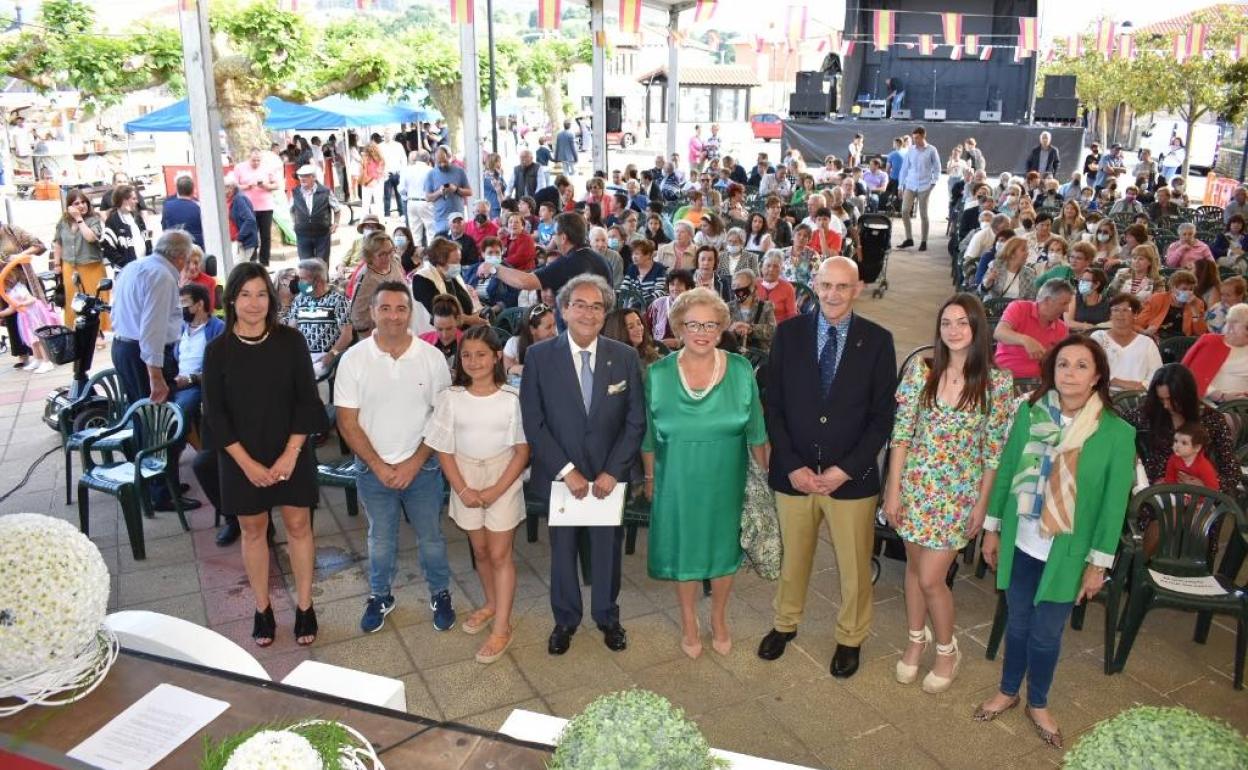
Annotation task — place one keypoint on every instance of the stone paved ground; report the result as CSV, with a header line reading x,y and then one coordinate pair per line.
x,y
790,709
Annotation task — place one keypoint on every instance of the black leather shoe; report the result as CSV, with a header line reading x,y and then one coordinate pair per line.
x,y
773,644
907,243
229,532
560,639
613,636
188,504
923,246
845,661
184,488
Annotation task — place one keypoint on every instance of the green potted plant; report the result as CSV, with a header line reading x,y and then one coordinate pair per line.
x,y
632,730
1150,736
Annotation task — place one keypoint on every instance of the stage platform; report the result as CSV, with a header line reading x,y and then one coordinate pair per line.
x,y
1005,146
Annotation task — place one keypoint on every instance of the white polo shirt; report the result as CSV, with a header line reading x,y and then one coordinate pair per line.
x,y
395,396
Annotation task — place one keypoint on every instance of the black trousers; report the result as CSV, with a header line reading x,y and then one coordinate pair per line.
x,y
207,468
16,346
264,222
391,188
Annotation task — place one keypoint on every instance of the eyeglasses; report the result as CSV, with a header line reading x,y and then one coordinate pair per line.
x,y
588,307
709,327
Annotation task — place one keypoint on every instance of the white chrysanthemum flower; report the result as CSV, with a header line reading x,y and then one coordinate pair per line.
x,y
275,750
53,593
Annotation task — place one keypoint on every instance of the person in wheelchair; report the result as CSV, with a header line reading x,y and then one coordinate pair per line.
x,y
953,410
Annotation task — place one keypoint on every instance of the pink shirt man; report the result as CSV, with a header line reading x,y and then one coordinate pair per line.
x,y
251,180
1022,317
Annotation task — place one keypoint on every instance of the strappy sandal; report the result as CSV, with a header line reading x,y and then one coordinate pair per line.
x,y
305,625
906,673
264,627
478,621
492,650
1052,738
987,715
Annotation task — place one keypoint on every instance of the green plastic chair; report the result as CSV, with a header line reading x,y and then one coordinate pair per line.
x,y
341,474
89,421
1173,349
1236,414
156,427
1186,516
509,320
1126,400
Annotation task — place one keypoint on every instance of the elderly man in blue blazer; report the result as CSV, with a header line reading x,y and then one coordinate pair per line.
x,y
584,417
830,406
565,149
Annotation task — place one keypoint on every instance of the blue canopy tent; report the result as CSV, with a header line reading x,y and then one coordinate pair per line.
x,y
282,116
375,111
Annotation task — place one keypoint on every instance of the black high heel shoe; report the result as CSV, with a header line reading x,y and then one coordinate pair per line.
x,y
305,625
264,626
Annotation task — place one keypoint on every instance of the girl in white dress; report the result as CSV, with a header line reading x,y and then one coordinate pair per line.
x,y
479,438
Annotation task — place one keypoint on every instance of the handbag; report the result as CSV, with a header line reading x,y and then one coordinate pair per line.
x,y
760,525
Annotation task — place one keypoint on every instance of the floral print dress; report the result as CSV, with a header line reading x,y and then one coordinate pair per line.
x,y
948,450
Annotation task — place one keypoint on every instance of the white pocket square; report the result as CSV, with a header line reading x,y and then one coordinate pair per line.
x,y
618,387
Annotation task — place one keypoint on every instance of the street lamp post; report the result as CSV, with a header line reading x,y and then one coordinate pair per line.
x,y
489,32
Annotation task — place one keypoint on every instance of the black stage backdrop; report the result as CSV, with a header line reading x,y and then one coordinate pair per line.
x,y
1005,147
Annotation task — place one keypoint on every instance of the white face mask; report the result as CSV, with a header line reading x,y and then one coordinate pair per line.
x,y
1091,227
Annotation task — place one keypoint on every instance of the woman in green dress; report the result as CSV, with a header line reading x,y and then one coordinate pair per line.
x,y
702,413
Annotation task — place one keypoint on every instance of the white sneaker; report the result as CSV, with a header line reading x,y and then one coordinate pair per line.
x,y
30,366
45,367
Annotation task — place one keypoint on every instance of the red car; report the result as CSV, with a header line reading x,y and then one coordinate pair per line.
x,y
766,126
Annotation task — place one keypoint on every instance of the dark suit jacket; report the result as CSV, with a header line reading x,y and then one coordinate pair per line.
x,y
846,427
555,424
1033,160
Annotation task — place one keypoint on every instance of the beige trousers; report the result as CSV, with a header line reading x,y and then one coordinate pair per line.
x,y
851,523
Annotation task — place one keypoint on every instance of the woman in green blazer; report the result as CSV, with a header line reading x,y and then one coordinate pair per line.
x,y
1055,517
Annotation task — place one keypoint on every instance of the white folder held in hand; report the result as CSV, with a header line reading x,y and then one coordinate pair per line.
x,y
567,511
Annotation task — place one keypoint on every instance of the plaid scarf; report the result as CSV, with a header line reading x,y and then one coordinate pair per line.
x,y
1045,480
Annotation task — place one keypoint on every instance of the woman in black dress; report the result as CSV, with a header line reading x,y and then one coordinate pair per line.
x,y
260,406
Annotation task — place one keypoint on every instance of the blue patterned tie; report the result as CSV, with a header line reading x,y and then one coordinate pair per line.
x,y
827,362
587,380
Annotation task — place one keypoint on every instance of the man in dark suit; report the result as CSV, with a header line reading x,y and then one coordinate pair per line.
x,y
1044,158
316,214
829,412
565,149
584,417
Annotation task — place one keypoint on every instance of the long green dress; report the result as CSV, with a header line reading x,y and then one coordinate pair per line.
x,y
700,466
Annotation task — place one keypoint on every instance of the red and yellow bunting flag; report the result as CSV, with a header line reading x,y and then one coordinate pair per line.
x,y
1105,38
759,44
951,23
955,52
1028,35
1196,41
1126,47
630,16
703,11
926,45
1074,47
985,53
972,45
188,5
795,29
363,5
883,29
548,14
847,48
461,11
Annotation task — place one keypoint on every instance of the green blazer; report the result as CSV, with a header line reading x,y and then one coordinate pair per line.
x,y
1103,479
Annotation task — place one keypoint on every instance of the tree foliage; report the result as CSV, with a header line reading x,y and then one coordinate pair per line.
x,y
1154,80
546,64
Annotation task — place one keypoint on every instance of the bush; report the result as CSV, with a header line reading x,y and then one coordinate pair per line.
x,y
632,730
1148,737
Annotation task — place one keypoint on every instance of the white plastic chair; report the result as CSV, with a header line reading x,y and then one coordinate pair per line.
x,y
170,637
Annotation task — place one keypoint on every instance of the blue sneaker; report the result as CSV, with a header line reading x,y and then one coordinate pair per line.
x,y
443,612
375,613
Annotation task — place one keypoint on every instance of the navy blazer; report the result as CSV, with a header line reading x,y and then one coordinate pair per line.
x,y
846,427
556,425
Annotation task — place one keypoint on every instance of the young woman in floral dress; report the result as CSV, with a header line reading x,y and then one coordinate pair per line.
x,y
953,411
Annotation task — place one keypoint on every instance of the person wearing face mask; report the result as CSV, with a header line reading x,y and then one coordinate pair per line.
x,y
753,320
735,257
774,289
1105,241
492,292
481,226
405,244
1173,313
999,233
520,250
199,327
321,313
442,274
1089,307
458,233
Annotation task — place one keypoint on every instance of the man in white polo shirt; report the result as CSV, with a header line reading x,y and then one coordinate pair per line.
x,y
384,394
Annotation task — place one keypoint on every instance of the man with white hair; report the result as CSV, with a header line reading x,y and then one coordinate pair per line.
x,y
244,233
527,178
418,210
316,214
1044,157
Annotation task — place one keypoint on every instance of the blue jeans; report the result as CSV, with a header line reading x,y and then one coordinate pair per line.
x,y
422,500
190,399
1033,633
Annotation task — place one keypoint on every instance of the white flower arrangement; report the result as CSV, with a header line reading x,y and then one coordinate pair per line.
x,y
314,744
54,647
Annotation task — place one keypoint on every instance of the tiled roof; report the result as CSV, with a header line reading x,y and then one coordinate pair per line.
x,y
718,75
1177,24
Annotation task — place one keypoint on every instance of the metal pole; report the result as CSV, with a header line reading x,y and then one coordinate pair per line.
x,y
673,80
597,31
489,33
1243,156
471,97
205,131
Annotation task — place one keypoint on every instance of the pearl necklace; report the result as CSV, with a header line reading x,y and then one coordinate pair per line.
x,y
698,395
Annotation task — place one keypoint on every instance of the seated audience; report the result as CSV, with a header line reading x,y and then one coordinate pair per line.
x,y
1219,362
1029,329
1090,306
1174,313
1186,251
1133,357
